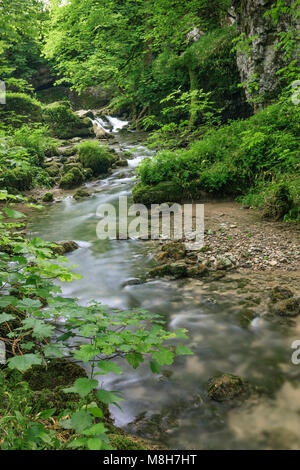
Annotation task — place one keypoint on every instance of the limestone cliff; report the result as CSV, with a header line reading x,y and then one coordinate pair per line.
x,y
264,60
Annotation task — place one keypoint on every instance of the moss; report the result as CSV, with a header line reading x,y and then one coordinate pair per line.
x,y
280,293
73,178
120,441
59,372
20,108
62,248
95,157
287,308
157,194
17,178
48,197
69,166
178,270
121,163
65,124
278,204
53,170
174,250
226,387
81,193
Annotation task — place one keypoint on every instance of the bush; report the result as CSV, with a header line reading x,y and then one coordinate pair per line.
x,y
20,108
18,179
36,141
230,160
95,157
65,124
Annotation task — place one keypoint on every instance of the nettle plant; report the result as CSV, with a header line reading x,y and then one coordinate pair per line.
x,y
42,326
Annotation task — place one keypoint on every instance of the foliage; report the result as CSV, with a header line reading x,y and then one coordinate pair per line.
x,y
231,159
20,108
61,120
94,335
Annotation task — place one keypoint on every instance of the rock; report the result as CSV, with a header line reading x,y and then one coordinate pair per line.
x,y
174,250
265,59
53,170
287,308
121,163
177,270
134,281
280,293
71,179
82,113
226,387
81,193
62,248
100,132
47,197
222,262
198,271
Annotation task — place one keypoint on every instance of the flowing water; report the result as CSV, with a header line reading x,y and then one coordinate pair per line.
x,y
174,408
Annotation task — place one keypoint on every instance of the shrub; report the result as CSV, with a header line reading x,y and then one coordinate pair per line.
x,y
95,157
18,179
36,141
230,160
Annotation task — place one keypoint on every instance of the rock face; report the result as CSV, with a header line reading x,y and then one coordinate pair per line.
x,y
226,387
264,60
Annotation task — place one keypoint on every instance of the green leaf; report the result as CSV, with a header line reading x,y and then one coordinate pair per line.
x,y
108,397
108,366
183,351
81,420
155,368
6,317
82,386
11,213
23,363
95,443
8,300
163,356
95,430
45,414
40,328
134,359
53,350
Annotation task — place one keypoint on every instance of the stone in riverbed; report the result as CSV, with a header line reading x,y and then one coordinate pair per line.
x,y
287,308
81,193
48,197
177,270
226,387
62,248
280,293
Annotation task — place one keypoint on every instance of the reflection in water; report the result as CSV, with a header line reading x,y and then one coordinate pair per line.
x,y
180,414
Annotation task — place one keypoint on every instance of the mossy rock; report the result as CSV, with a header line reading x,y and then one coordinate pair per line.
x,y
280,293
177,270
81,193
53,170
20,108
62,248
278,204
287,308
226,387
48,197
173,250
69,166
72,179
65,124
17,178
121,163
59,372
160,193
95,157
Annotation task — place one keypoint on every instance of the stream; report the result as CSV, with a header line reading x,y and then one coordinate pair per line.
x,y
173,408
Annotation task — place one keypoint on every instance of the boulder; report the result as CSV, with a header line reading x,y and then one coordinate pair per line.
x,y
226,387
